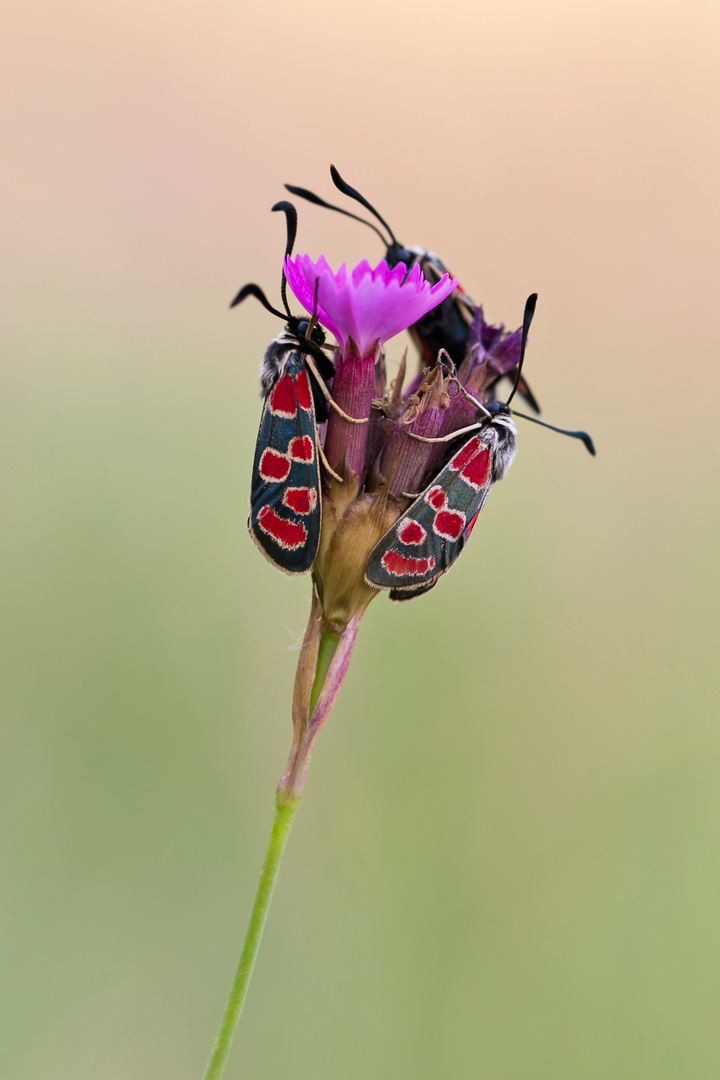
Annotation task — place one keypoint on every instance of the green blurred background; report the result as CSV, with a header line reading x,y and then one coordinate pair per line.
x,y
506,865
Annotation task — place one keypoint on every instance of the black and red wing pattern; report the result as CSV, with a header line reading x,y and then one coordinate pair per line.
x,y
427,540
285,499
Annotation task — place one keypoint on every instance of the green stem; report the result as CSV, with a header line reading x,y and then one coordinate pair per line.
x,y
328,646
284,813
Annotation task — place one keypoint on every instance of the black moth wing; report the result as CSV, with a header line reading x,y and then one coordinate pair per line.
x,y
285,498
397,595
447,326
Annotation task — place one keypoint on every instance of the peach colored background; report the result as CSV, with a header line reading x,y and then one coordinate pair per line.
x,y
507,865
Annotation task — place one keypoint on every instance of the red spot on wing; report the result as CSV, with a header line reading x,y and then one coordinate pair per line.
x,y
464,455
477,470
302,500
436,497
304,392
411,532
404,565
274,466
283,400
449,523
471,526
301,448
290,535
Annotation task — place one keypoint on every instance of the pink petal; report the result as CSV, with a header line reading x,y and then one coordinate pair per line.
x,y
367,304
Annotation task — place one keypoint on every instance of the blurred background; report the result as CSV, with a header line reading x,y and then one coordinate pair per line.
x,y
507,863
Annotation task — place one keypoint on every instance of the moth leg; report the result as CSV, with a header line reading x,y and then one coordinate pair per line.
x,y
328,396
445,438
327,466
468,396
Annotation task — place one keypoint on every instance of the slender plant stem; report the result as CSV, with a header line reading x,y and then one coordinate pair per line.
x,y
328,647
284,813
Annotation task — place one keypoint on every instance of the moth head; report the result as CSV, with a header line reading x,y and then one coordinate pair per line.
x,y
396,253
497,408
316,335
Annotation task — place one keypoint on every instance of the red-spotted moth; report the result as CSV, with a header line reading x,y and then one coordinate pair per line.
x,y
286,498
429,537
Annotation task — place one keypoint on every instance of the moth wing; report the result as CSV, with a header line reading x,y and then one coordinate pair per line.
x,y
285,498
397,595
427,540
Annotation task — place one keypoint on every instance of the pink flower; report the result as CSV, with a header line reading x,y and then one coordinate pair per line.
x,y
364,304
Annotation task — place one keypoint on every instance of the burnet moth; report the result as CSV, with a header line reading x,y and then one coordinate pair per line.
x,y
429,537
448,326
285,498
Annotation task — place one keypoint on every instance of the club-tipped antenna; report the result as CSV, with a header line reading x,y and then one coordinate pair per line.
x,y
310,196
291,215
256,291
582,435
341,185
527,319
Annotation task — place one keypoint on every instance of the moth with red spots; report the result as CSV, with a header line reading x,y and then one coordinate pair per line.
x,y
285,497
429,537
414,554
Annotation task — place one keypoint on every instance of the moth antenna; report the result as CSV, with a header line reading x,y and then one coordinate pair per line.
x,y
303,193
291,214
341,185
329,398
256,291
527,319
582,435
